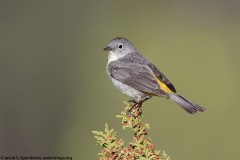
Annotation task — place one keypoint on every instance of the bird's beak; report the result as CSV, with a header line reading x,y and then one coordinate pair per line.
x,y
107,48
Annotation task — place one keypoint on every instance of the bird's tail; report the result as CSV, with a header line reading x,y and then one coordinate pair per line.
x,y
185,104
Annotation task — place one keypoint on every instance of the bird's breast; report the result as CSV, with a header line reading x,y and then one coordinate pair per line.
x,y
127,90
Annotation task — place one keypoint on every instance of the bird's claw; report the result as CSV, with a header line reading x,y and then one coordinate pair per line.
x,y
132,101
136,108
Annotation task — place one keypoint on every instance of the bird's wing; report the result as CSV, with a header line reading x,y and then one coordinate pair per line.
x,y
162,80
137,76
162,77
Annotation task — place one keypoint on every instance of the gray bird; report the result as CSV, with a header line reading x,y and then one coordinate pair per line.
x,y
136,77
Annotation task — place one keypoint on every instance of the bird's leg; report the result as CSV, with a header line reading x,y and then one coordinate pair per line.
x,y
133,105
137,105
147,98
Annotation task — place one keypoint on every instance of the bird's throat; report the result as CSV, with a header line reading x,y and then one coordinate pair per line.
x,y
111,56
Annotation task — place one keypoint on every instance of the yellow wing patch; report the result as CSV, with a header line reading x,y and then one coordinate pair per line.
x,y
163,86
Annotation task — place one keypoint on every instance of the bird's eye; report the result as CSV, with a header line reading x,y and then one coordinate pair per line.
x,y
120,46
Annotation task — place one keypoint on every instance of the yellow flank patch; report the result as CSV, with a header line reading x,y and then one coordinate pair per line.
x,y
163,86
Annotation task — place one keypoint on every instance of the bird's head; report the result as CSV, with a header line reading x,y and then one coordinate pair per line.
x,y
118,48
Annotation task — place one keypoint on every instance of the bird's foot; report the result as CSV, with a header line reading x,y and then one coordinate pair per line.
x,y
135,109
132,101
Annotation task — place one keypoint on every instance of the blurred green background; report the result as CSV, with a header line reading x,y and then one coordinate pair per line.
x,y
54,89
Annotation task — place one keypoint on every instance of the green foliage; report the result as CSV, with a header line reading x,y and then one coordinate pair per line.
x,y
141,146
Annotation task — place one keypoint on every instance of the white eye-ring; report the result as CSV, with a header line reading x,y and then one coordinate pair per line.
x,y
120,46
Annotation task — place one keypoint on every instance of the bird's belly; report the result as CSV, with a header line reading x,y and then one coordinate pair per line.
x,y
129,91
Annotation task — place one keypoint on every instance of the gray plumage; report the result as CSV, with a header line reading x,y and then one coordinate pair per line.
x,y
185,104
136,77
